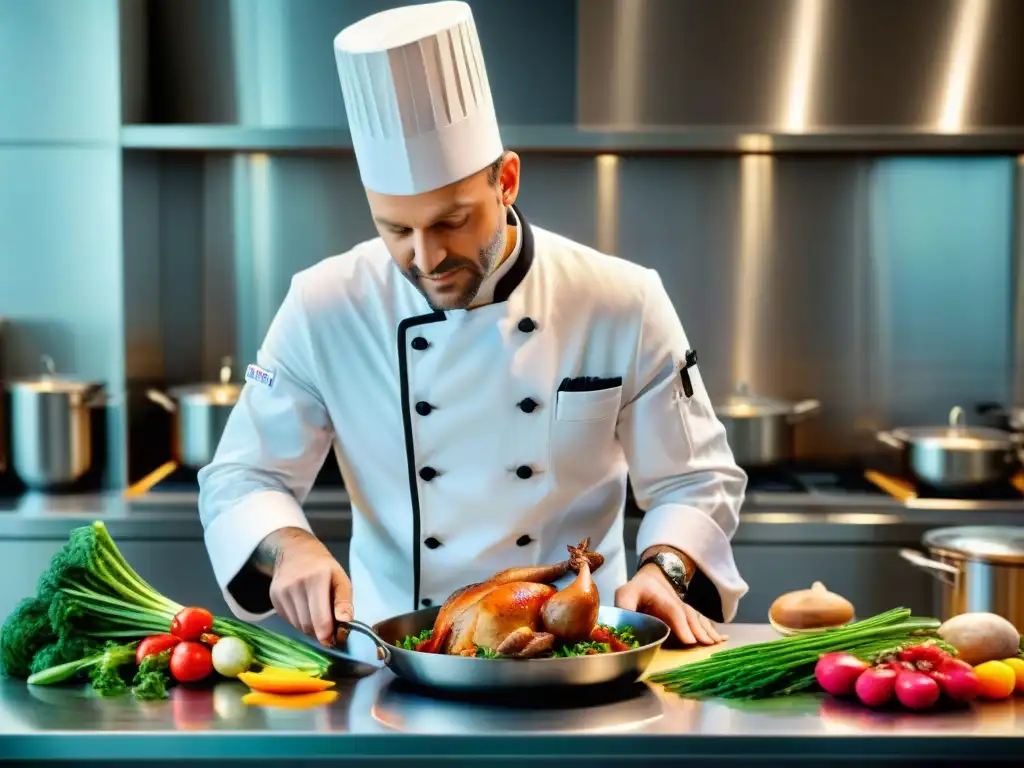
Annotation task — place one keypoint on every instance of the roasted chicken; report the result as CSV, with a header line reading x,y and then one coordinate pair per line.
x,y
518,613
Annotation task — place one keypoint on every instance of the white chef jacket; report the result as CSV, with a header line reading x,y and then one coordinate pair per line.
x,y
460,453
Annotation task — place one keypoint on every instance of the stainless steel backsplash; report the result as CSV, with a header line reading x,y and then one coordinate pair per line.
x,y
882,286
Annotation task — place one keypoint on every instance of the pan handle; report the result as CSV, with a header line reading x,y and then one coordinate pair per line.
x,y
890,439
940,570
382,647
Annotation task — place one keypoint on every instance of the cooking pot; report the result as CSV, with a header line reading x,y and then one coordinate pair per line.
x,y
200,413
761,430
956,457
980,568
51,435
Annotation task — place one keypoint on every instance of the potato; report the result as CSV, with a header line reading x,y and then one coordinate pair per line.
x,y
980,637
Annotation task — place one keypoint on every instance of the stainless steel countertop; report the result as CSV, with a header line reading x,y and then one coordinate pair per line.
x,y
376,715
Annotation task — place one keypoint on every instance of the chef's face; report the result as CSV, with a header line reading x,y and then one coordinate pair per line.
x,y
448,240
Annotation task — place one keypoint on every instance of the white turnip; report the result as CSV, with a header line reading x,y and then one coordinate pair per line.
x,y
980,637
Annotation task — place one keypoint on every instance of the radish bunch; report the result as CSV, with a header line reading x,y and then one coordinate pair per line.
x,y
915,675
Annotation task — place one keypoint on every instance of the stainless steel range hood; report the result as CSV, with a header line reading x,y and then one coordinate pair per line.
x,y
880,71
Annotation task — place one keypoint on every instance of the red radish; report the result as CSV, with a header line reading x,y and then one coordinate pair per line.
x,y
875,686
925,652
191,623
916,690
837,672
958,680
155,644
191,662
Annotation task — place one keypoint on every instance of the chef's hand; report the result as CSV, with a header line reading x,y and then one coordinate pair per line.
x,y
651,593
309,588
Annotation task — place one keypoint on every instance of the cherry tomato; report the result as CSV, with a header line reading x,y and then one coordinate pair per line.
x,y
191,623
154,644
191,662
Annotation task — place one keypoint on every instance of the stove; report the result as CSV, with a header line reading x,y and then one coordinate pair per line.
x,y
813,484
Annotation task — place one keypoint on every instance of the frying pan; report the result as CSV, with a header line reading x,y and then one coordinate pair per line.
x,y
469,673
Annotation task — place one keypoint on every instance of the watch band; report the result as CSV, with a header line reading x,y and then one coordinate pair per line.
x,y
674,569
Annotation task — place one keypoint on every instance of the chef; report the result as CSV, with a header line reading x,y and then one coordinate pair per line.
x,y
485,385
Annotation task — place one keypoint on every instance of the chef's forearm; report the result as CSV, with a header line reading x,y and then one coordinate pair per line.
x,y
265,556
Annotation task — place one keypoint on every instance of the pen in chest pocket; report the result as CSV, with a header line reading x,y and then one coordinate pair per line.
x,y
689,361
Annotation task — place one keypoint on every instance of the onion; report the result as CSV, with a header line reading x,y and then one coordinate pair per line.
x,y
916,690
958,680
837,672
875,686
231,656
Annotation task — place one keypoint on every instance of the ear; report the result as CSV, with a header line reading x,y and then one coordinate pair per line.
x,y
508,179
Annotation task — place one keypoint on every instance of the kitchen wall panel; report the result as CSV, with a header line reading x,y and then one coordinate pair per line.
x,y
270,63
942,266
59,71
60,268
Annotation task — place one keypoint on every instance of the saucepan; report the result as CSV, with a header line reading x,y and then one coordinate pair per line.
x,y
956,457
472,674
762,430
200,413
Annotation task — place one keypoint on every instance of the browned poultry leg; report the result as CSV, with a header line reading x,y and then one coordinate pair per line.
x,y
524,643
548,574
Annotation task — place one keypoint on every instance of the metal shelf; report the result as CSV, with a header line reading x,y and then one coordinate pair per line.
x,y
569,138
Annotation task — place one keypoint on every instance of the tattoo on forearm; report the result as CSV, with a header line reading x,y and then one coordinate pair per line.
x,y
264,558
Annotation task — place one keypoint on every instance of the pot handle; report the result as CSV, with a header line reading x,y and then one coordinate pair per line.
x,y
939,570
805,408
890,439
162,400
102,400
342,629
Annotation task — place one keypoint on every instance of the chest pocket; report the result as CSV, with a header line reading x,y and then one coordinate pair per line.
x,y
583,433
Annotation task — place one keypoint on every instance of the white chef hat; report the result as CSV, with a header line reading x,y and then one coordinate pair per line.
x,y
417,97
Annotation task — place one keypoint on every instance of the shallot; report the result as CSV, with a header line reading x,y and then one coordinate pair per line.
x,y
916,690
875,686
837,672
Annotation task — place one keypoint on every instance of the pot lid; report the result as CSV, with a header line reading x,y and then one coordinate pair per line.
x,y
981,543
221,393
50,383
743,405
957,435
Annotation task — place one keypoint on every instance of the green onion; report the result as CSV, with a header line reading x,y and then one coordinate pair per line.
x,y
786,665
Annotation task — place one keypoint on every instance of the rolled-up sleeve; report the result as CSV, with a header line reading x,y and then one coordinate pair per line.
x,y
681,467
270,453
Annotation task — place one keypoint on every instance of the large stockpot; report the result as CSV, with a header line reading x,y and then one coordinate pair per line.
x,y
51,428
762,430
979,568
956,457
200,414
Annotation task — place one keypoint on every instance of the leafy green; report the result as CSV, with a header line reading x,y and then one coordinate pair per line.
x,y
151,680
103,668
585,648
89,595
410,642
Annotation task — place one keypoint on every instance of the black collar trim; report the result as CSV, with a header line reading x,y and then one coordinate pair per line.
x,y
521,266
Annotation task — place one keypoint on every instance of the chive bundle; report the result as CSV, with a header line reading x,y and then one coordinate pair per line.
x,y
786,665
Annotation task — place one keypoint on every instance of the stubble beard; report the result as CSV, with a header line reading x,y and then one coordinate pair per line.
x,y
487,259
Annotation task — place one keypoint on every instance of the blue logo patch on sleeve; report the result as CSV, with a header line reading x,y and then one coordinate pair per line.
x,y
259,376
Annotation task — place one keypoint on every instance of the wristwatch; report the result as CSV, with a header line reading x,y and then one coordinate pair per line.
x,y
674,569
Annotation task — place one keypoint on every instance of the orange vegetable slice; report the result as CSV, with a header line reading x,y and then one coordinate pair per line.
x,y
284,684
285,672
297,701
